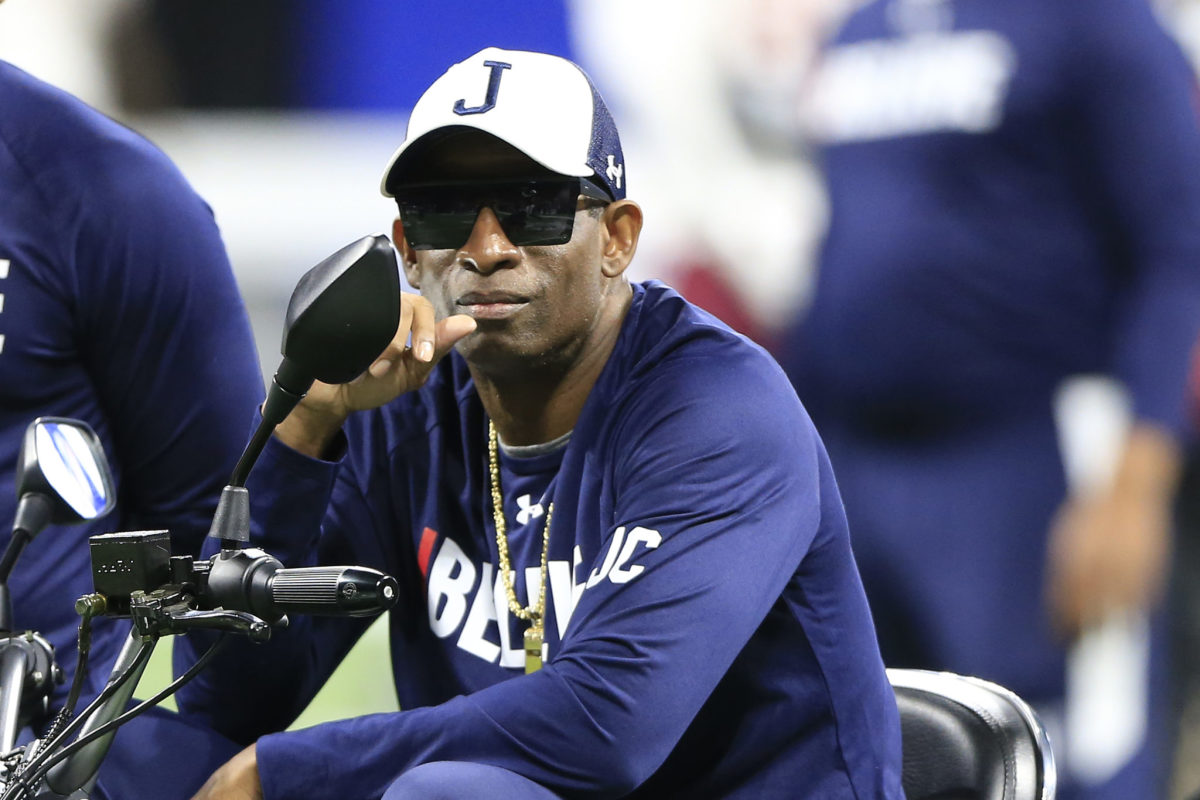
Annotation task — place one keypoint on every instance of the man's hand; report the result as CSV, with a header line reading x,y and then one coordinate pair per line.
x,y
1109,551
237,779
398,369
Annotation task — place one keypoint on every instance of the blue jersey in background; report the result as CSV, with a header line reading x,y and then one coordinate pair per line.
x,y
119,308
1015,199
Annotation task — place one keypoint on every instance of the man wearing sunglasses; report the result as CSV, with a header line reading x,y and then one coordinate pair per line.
x,y
625,567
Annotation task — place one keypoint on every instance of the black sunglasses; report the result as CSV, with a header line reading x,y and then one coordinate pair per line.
x,y
440,216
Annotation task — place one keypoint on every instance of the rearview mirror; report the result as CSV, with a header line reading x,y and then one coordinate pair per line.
x,y
63,460
342,313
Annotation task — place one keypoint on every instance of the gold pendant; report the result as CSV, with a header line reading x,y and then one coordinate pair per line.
x,y
533,649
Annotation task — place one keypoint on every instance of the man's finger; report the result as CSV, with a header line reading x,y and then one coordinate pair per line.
x,y
450,331
424,331
447,332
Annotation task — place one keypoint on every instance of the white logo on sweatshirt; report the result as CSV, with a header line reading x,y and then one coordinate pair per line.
x,y
529,509
469,598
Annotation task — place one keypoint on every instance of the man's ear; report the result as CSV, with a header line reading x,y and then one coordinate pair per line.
x,y
408,256
622,223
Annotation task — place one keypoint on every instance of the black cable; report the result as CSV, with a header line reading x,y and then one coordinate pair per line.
x,y
143,655
85,646
66,712
113,724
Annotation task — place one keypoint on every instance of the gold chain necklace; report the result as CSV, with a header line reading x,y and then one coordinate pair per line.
x,y
536,614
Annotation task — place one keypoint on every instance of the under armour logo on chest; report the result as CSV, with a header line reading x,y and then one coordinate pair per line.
x,y
529,510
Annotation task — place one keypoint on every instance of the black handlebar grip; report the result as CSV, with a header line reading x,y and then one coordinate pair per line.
x,y
333,591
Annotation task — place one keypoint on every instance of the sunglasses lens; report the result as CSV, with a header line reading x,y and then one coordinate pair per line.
x,y
435,217
531,213
435,231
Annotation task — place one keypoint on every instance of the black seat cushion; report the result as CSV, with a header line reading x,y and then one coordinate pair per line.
x,y
966,740
949,752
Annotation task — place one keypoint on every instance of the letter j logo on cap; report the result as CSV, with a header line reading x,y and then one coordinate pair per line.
x,y
493,89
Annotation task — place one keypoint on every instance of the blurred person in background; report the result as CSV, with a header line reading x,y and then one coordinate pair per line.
x,y
117,307
1015,199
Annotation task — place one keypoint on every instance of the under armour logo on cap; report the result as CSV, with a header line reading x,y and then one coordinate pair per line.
x,y
543,105
614,171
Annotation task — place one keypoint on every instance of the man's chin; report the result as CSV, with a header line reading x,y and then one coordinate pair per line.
x,y
494,353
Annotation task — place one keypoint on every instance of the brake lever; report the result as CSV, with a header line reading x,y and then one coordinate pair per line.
x,y
171,610
182,620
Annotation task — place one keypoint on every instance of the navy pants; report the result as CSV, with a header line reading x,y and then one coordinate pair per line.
x,y
161,755
458,780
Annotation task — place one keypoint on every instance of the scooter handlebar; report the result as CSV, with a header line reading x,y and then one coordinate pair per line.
x,y
251,580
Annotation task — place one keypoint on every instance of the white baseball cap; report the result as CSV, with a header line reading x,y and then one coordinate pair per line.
x,y
543,105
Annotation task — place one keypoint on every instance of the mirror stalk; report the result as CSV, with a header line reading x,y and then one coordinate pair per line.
x,y
287,390
34,512
33,515
231,522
